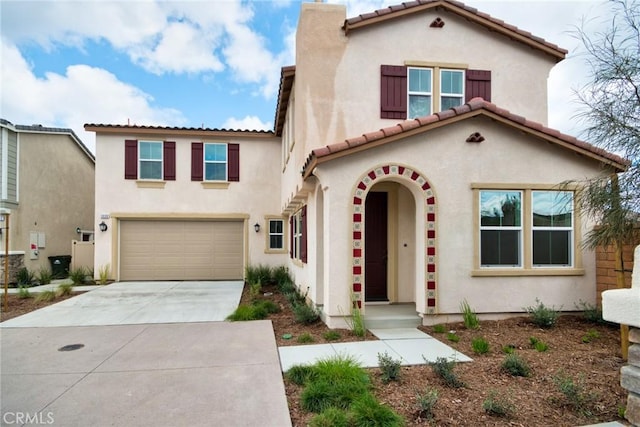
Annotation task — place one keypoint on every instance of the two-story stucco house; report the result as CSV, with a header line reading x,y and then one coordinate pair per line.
x,y
410,162
47,187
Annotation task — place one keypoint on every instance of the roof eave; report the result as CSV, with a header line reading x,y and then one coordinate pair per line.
x,y
164,131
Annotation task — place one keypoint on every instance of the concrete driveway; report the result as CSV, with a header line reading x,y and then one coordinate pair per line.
x,y
141,354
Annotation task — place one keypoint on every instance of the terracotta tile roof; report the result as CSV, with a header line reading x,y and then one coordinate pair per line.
x,y
138,129
287,75
475,107
467,12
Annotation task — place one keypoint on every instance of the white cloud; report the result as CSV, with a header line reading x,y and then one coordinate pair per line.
x,y
247,123
83,94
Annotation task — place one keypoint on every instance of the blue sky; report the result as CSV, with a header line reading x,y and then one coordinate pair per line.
x,y
214,63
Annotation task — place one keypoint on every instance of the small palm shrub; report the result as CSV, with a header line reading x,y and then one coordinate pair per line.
x,y
367,411
45,296
330,417
78,276
443,368
25,277
23,293
498,405
470,318
543,316
426,402
44,276
480,345
516,366
389,367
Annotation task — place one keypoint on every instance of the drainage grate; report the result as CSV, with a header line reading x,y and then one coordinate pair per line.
x,y
71,347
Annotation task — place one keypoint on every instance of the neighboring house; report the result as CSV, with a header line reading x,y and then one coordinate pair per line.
x,y
47,187
361,190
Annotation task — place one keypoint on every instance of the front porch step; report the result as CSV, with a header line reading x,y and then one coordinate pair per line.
x,y
391,316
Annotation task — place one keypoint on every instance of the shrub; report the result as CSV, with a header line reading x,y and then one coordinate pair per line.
x,y
78,276
498,405
331,417
516,366
480,345
44,276
23,293
426,402
574,391
443,368
542,316
590,336
470,318
508,349
389,367
451,336
366,411
254,290
332,335
356,321
590,312
64,289
103,274
538,345
269,306
280,275
305,313
257,274
25,277
305,338
248,312
439,329
299,374
45,296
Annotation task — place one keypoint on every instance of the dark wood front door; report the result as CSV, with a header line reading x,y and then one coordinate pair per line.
x,y
375,247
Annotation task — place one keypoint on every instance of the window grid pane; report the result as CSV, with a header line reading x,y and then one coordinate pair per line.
x,y
501,228
552,234
276,234
150,160
215,162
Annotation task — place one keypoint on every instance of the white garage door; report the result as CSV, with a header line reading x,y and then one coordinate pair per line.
x,y
181,250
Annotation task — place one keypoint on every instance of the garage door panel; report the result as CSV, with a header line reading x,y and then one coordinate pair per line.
x,y
181,250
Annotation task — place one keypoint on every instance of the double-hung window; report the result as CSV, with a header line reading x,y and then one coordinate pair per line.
x,y
525,231
276,234
215,162
298,236
451,88
150,159
420,92
501,228
552,227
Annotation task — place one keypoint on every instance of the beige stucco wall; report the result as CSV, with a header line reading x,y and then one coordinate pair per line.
x,y
451,165
253,198
56,186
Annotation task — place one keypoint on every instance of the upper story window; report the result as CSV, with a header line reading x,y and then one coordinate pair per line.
x,y
150,159
410,92
215,162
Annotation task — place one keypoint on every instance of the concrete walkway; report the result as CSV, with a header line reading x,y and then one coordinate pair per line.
x,y
409,345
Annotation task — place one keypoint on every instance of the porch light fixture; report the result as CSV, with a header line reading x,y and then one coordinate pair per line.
x,y
103,226
256,227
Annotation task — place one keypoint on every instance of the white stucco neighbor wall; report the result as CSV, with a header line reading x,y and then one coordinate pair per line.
x,y
252,197
451,165
623,305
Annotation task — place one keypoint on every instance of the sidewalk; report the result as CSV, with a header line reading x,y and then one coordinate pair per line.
x,y
410,345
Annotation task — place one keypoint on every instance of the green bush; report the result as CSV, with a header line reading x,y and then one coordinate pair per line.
x,y
25,277
575,393
305,313
356,321
590,312
451,336
332,335
267,305
300,374
508,349
257,274
305,338
543,316
443,368
331,417
23,293
44,276
280,275
426,402
78,276
366,411
498,405
45,296
439,329
246,312
480,345
538,345
516,366
64,289
389,367
470,318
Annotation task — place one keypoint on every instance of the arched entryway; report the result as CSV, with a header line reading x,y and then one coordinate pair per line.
x,y
365,195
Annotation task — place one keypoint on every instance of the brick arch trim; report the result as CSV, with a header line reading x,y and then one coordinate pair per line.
x,y
360,191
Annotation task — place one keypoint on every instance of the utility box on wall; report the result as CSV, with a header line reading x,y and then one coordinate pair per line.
x,y
36,242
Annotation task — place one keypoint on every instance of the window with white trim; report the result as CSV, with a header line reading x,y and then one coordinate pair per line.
x,y
500,228
276,234
451,89
215,162
552,228
420,92
297,235
150,159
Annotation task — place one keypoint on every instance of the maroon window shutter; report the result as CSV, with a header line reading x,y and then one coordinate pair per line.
x,y
393,92
130,159
169,159
291,237
233,159
303,238
478,84
197,161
